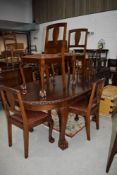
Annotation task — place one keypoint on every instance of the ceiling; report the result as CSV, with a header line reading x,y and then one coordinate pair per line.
x,y
17,26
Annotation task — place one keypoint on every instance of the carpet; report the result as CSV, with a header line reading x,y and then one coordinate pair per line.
x,y
73,127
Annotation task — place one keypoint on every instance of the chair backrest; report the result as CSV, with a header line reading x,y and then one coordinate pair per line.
x,y
10,42
55,41
77,39
20,45
11,105
96,93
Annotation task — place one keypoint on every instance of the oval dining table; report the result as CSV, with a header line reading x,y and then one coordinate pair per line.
x,y
57,97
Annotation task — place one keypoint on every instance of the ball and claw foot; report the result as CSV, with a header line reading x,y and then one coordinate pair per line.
x,y
63,145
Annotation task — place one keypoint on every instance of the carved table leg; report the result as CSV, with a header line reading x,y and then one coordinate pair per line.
x,y
63,116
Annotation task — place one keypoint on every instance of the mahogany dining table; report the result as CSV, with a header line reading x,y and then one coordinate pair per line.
x,y
57,97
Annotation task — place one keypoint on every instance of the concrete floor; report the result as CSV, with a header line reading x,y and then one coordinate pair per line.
x,y
81,158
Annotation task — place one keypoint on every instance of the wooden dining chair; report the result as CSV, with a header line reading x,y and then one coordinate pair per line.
x,y
77,42
10,44
55,42
89,105
9,40
17,115
11,47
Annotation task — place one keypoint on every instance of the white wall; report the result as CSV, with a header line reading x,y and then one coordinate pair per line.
x,y
104,26
16,10
35,39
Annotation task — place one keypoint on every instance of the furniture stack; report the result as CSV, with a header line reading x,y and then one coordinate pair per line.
x,y
76,92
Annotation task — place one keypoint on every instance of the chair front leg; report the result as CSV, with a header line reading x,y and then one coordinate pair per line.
x,y
87,125
9,124
26,142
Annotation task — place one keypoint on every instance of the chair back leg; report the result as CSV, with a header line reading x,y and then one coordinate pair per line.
x,y
9,132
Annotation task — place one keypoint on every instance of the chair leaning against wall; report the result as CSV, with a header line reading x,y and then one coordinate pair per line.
x,y
77,41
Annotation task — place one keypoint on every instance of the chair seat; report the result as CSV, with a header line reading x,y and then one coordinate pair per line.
x,y
33,117
81,106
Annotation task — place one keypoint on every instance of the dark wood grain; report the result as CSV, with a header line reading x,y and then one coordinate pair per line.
x,y
56,98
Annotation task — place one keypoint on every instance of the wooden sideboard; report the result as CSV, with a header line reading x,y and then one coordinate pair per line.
x,y
98,56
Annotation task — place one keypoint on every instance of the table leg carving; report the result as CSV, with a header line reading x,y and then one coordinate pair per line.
x,y
63,116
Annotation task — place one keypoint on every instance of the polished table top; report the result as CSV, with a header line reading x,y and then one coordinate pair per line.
x,y
55,93
56,98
